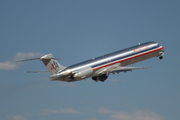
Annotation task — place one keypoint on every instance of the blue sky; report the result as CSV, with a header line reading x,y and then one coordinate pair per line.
x,y
80,30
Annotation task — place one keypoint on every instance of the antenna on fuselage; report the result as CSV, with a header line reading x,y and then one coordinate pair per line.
x,y
139,43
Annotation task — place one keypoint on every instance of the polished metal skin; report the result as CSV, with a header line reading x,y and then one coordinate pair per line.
x,y
99,68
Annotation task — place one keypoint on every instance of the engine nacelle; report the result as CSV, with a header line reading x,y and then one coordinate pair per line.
x,y
84,73
65,73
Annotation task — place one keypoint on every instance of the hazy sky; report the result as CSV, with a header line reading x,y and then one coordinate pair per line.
x,y
77,30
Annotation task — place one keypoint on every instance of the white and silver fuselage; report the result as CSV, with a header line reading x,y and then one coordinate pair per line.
x,y
124,57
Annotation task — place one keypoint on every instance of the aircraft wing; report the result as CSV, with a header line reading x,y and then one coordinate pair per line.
x,y
125,69
117,68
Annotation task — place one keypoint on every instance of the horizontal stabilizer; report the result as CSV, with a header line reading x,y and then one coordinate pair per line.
x,y
27,60
49,61
38,71
48,56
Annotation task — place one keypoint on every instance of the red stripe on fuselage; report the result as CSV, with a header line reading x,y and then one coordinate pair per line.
x,y
128,58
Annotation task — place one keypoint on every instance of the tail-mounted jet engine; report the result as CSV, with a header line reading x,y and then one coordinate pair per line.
x,y
82,74
102,78
65,73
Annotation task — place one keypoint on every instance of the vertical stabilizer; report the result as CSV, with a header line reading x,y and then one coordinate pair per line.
x,y
52,65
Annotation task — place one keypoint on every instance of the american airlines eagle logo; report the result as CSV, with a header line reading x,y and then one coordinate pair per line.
x,y
52,66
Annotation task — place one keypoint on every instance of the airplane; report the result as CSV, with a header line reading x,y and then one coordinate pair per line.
x,y
99,68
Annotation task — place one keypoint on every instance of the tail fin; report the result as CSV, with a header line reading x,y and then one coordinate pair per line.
x,y
52,65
